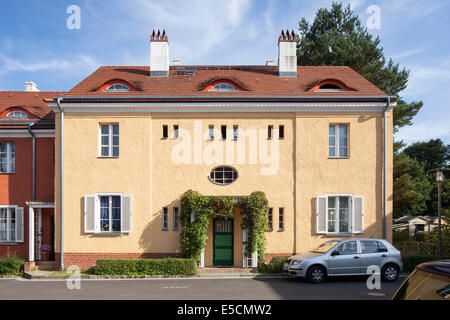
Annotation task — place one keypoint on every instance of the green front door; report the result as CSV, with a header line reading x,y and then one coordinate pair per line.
x,y
223,242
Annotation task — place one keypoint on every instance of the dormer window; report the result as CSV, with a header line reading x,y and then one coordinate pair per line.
x,y
117,87
330,85
329,88
17,115
224,87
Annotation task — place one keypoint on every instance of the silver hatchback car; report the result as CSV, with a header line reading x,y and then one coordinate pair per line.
x,y
350,257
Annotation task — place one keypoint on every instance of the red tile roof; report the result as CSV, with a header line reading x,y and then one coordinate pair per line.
x,y
33,102
258,80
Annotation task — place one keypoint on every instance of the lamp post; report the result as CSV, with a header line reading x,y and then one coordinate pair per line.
x,y
439,180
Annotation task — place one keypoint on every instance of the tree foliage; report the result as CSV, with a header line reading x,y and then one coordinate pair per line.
x,y
337,37
411,187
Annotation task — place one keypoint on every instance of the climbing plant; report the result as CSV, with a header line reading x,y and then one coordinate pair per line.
x,y
197,211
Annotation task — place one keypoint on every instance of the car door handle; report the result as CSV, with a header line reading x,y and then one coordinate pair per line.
x,y
383,256
355,257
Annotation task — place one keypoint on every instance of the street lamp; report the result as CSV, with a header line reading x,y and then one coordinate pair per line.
x,y
439,180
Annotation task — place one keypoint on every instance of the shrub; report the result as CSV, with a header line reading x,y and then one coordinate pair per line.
x,y
275,265
410,262
134,267
11,266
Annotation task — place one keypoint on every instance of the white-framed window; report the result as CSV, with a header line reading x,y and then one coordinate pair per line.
x,y
176,219
340,214
110,213
223,87
338,141
107,213
117,87
165,219
270,132
17,115
211,132
11,224
7,157
223,175
109,140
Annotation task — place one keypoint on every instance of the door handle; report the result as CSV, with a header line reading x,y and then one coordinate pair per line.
x,y
383,256
355,257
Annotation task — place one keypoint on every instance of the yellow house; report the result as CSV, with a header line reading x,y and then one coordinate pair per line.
x,y
130,141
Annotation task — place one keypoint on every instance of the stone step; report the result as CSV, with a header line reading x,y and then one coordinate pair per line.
x,y
45,265
227,270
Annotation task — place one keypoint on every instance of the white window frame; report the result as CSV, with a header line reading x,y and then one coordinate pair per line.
x,y
8,224
17,114
123,88
97,214
350,213
337,145
223,87
110,144
10,163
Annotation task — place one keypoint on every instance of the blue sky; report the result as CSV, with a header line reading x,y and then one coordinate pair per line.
x,y
36,45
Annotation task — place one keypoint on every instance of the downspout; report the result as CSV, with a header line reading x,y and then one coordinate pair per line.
x,y
33,163
61,187
385,167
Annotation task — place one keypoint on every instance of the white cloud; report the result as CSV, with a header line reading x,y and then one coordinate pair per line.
x,y
426,79
424,132
408,53
78,64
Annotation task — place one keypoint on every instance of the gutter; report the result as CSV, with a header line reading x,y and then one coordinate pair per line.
x,y
388,108
61,164
33,162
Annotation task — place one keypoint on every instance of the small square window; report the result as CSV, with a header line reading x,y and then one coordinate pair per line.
x,y
211,132
109,140
281,132
175,132
223,130
338,141
165,134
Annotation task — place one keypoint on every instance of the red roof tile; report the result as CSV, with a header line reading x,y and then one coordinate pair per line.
x,y
258,80
32,102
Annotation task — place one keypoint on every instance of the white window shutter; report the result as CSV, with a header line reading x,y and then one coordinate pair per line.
x,y
126,214
358,214
19,225
321,214
89,214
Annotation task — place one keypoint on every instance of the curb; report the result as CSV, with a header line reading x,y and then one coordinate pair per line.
x,y
30,276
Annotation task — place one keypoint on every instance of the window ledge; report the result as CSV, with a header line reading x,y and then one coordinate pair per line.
x,y
281,230
341,234
5,243
165,229
337,158
109,234
104,157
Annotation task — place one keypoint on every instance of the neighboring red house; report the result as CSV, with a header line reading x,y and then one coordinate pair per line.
x,y
26,173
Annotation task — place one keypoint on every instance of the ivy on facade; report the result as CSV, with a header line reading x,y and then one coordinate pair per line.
x,y
197,212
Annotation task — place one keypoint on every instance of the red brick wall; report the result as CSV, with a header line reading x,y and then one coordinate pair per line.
x,y
87,260
15,188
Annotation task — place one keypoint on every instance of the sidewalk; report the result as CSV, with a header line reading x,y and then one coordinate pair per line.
x,y
60,275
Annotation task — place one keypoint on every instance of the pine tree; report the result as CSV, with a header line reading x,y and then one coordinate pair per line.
x,y
337,37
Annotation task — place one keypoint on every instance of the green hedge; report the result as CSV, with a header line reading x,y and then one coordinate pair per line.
x,y
134,267
11,266
410,262
275,265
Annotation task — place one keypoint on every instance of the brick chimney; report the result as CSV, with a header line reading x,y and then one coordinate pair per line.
x,y
159,54
30,86
287,54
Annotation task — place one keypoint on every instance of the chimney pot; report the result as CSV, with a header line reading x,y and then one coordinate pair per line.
x,y
287,54
159,54
30,86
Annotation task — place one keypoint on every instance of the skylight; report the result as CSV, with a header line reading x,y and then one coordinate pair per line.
x,y
223,87
17,115
117,87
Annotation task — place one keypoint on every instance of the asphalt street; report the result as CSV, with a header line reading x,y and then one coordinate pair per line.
x,y
197,289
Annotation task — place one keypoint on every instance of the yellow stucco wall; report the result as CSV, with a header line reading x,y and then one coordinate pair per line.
x,y
146,171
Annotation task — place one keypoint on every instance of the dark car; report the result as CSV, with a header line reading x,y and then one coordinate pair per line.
x,y
429,281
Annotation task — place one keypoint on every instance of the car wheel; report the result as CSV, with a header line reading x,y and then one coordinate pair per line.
x,y
390,272
316,274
